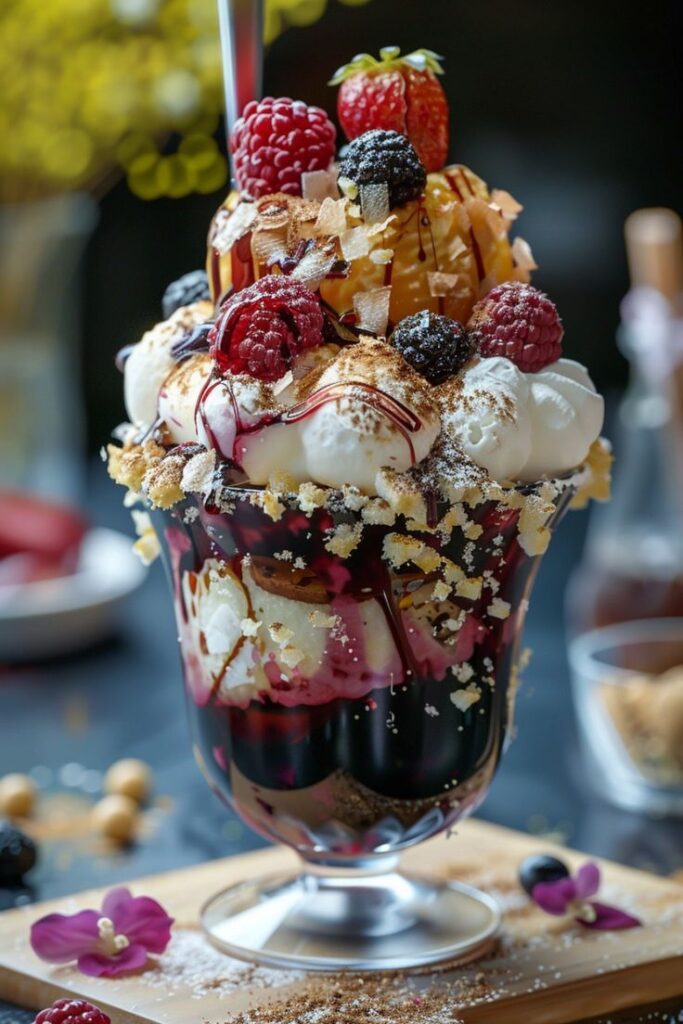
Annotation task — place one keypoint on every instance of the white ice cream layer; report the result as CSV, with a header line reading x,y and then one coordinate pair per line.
x,y
179,396
343,438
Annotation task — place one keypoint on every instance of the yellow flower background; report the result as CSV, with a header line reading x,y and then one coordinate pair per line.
x,y
92,89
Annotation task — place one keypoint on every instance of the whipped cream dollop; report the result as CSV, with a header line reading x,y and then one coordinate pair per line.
x,y
523,426
151,361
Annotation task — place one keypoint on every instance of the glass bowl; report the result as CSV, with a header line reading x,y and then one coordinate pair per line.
x,y
345,701
628,690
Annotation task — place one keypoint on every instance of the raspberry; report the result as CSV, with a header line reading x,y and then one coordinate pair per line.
x,y
385,157
187,289
72,1011
275,141
433,345
520,323
261,329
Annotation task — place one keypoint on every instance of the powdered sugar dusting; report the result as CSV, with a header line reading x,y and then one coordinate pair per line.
x,y
191,963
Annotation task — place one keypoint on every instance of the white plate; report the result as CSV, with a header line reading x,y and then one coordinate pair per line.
x,y
54,617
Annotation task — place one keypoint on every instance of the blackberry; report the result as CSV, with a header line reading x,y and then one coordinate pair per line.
x,y
17,854
385,157
187,289
541,868
433,345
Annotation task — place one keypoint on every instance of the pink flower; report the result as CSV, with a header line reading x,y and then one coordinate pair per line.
x,y
105,943
570,895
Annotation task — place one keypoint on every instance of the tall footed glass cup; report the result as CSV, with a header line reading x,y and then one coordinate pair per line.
x,y
350,687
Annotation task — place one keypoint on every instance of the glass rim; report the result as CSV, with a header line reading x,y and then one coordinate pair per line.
x,y
568,481
584,650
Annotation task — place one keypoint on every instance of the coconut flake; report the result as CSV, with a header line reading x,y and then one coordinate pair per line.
x,y
488,225
464,699
441,284
499,609
283,383
235,226
319,185
372,309
522,255
381,226
249,627
332,217
457,247
507,204
347,187
374,202
269,247
314,266
382,256
354,243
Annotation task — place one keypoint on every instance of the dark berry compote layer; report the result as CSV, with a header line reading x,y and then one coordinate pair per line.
x,y
347,701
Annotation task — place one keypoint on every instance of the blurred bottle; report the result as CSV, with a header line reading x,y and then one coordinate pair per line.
x,y
632,566
41,415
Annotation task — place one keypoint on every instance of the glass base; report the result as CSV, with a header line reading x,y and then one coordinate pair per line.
x,y
354,922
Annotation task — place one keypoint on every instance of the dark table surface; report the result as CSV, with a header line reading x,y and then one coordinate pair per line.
x,y
125,699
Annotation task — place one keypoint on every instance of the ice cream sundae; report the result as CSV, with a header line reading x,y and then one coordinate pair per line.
x,y
353,433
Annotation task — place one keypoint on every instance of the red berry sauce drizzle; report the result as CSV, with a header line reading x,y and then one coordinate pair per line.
x,y
403,418
395,738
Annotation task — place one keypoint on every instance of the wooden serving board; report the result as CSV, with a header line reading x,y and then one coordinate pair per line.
x,y
545,970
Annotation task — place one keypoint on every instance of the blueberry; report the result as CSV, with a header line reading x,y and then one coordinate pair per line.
x,y
185,291
17,854
541,868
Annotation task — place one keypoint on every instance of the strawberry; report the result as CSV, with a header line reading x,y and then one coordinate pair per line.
x,y
30,525
395,93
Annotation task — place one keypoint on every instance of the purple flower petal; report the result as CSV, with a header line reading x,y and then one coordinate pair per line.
x,y
140,918
554,897
587,880
99,965
59,938
609,918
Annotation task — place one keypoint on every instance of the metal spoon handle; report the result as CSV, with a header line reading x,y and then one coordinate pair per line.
x,y
241,29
